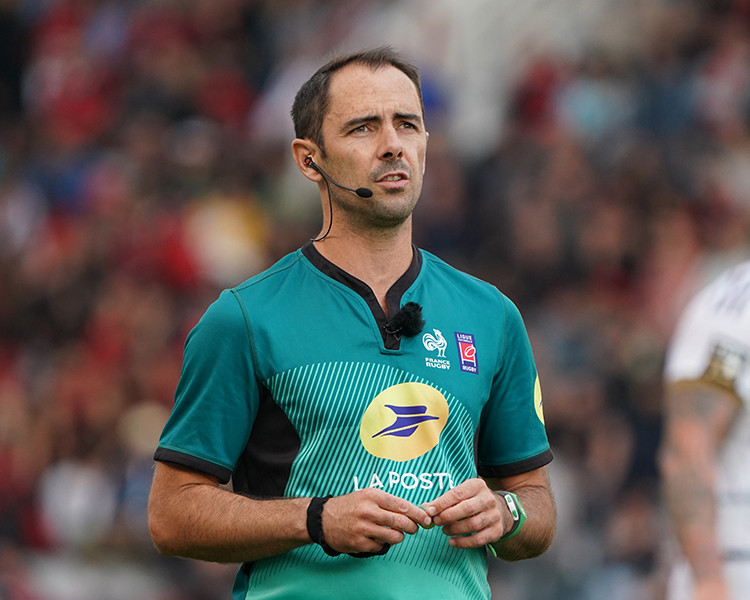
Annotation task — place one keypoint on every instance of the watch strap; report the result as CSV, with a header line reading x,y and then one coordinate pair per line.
x,y
516,511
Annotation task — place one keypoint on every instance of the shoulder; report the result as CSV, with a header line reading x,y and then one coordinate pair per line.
x,y
282,268
713,330
732,286
466,290
726,300
231,304
437,270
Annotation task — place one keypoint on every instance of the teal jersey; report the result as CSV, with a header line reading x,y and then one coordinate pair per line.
x,y
293,384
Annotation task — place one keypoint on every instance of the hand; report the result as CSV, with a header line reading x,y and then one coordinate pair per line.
x,y
471,513
365,520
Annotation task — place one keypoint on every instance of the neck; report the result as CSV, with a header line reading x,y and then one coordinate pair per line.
x,y
376,259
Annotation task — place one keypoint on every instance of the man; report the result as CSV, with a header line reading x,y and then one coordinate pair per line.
x,y
346,434
705,458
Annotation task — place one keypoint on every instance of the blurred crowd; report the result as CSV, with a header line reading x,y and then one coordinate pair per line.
x,y
144,166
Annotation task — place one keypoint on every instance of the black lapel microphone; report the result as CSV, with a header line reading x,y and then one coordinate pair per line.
x,y
361,192
407,322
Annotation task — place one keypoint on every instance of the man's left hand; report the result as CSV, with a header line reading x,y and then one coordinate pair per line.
x,y
471,513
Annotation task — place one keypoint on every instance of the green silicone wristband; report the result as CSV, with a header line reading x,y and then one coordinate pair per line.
x,y
516,511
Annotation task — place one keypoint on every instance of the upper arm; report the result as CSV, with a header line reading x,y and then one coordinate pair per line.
x,y
217,394
171,475
538,478
170,479
698,415
512,435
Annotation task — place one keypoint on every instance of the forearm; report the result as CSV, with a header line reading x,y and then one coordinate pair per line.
x,y
537,532
691,505
206,522
698,416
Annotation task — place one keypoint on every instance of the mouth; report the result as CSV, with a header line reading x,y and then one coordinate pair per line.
x,y
394,179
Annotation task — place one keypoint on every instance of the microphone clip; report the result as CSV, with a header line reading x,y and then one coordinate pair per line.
x,y
407,322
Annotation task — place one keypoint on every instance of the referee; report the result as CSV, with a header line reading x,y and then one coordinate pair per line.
x,y
377,412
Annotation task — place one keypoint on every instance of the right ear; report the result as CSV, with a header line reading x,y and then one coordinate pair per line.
x,y
301,151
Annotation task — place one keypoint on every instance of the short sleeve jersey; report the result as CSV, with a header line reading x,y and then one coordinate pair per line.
x,y
712,344
291,386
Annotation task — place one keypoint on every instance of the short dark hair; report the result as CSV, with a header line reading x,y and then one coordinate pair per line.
x,y
311,102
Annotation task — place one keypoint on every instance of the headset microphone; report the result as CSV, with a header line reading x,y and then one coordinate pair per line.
x,y
361,192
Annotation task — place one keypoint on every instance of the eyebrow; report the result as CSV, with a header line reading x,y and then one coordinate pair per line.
x,y
356,121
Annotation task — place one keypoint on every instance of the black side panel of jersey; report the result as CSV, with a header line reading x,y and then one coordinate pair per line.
x,y
264,467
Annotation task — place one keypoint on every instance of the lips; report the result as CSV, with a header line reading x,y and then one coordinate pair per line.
x,y
393,177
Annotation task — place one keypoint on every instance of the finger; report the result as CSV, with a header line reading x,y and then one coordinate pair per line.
x,y
380,552
405,515
481,538
380,535
472,525
372,546
473,499
453,497
397,522
385,535
363,535
431,523
466,509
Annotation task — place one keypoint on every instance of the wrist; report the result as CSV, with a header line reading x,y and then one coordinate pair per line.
x,y
517,513
315,524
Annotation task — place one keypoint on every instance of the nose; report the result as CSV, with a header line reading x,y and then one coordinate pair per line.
x,y
390,145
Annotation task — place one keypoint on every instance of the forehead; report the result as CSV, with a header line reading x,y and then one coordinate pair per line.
x,y
357,90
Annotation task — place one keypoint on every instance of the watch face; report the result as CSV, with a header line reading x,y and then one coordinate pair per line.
x,y
512,506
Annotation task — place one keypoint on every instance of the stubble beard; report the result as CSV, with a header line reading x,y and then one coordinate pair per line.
x,y
370,214
383,214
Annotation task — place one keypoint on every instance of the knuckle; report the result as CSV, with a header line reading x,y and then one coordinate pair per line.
x,y
460,492
370,494
407,525
394,537
473,505
368,512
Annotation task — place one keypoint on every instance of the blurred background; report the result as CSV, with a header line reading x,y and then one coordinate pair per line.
x,y
589,157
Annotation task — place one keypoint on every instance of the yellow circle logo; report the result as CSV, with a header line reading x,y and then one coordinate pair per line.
x,y
538,404
404,421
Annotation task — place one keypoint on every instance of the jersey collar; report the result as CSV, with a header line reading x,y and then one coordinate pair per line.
x,y
392,297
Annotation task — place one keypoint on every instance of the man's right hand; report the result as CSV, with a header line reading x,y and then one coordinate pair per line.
x,y
365,520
